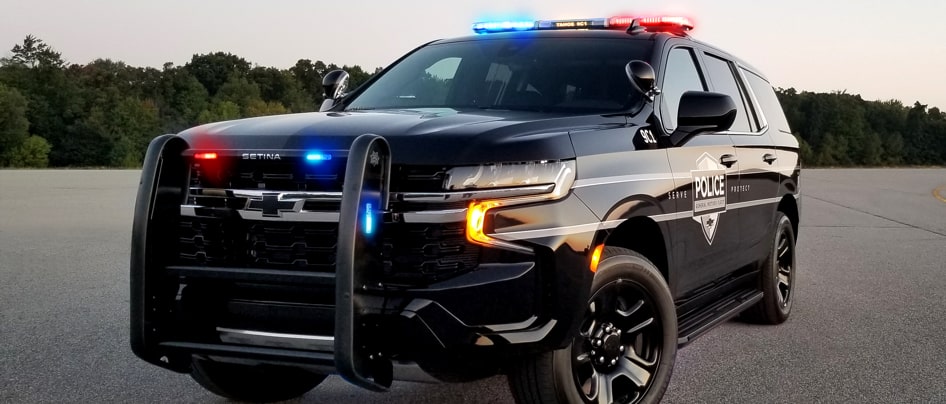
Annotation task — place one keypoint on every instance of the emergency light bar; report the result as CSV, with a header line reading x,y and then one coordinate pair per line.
x,y
653,24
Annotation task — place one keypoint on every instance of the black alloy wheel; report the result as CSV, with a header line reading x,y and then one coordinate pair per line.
x,y
615,357
785,263
777,277
625,347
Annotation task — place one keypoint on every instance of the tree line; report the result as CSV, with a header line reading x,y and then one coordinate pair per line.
x,y
104,113
840,129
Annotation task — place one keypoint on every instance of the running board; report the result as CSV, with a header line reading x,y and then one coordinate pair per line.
x,y
695,324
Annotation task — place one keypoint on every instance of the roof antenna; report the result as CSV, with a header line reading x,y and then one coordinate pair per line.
x,y
636,27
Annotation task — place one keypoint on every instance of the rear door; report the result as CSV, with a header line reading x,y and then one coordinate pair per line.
x,y
758,181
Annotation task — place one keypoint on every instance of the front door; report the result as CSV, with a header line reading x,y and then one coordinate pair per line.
x,y
704,168
707,230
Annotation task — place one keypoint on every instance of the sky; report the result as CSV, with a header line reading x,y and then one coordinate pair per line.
x,y
881,50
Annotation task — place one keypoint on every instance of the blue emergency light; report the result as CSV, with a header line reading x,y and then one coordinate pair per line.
x,y
502,26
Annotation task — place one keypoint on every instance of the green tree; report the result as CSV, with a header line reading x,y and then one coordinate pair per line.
x,y
219,111
281,86
14,127
238,90
33,52
184,99
124,126
309,76
33,152
872,150
261,108
135,122
54,104
214,69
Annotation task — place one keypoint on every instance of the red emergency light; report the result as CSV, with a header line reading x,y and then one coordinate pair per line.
x,y
681,23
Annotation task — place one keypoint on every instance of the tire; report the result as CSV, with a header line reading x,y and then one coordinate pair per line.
x,y
777,277
630,322
260,384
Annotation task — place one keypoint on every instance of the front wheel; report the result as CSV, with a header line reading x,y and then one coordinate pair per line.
x,y
260,384
626,346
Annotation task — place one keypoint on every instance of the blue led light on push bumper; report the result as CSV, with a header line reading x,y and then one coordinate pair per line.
x,y
369,219
317,157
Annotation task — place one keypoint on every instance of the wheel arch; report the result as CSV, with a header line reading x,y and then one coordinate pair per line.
x,y
789,206
645,236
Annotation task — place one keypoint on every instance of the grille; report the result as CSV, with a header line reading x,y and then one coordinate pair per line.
x,y
413,253
291,175
416,253
272,245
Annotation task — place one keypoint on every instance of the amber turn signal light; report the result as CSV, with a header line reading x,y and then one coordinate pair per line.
x,y
596,257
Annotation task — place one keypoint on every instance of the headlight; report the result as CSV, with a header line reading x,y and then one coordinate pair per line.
x,y
505,184
558,174
512,182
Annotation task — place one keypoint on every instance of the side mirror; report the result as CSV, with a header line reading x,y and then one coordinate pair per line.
x,y
335,83
702,111
643,78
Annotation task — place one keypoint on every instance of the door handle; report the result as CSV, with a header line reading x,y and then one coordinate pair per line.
x,y
769,158
728,160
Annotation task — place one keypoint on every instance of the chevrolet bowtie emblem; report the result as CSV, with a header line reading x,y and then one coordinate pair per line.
x,y
271,205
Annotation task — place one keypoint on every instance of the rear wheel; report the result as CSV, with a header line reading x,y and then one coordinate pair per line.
x,y
777,279
626,346
260,383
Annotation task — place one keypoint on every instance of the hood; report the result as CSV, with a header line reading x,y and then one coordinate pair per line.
x,y
416,137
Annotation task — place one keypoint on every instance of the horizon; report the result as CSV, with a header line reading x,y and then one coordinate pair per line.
x,y
850,35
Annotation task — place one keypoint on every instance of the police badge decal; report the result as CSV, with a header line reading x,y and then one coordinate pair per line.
x,y
709,194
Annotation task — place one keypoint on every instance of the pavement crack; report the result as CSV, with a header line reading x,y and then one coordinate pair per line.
x,y
876,215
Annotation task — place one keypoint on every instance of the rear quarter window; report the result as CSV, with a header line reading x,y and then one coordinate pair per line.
x,y
768,101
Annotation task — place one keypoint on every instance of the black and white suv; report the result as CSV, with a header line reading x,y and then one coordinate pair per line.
x,y
566,201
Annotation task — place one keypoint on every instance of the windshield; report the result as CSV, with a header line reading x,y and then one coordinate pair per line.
x,y
551,74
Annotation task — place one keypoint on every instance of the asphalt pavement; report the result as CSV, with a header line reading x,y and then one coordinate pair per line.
x,y
866,327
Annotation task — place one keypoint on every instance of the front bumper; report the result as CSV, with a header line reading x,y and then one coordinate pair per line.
x,y
524,304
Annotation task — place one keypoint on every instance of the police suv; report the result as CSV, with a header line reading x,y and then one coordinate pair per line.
x,y
565,201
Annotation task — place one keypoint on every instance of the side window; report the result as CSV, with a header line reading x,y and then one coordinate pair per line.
x,y
721,74
680,76
768,101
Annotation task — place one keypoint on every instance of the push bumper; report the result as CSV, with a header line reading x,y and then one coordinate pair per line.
x,y
362,331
